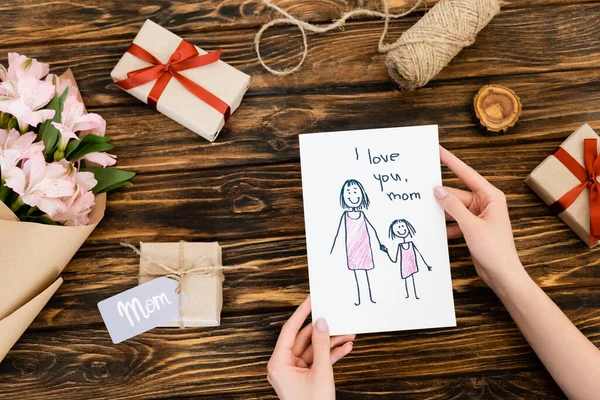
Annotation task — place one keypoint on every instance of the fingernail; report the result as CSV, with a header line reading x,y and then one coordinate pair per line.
x,y
349,344
321,325
440,192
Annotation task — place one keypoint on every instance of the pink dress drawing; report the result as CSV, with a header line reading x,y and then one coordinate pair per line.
x,y
408,260
358,244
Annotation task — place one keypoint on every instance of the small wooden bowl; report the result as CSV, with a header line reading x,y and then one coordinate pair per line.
x,y
497,109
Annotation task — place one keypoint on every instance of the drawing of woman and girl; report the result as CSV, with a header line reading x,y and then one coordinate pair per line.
x,y
356,229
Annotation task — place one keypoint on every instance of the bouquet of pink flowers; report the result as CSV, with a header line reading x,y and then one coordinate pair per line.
x,y
53,154
54,173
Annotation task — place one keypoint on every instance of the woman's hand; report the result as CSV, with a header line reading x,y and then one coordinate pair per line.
x,y
482,218
301,364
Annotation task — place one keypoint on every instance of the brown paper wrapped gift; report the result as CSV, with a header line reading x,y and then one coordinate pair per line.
x,y
203,288
32,256
551,180
176,101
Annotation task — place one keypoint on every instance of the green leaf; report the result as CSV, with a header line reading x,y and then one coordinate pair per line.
x,y
109,178
41,219
4,192
12,123
89,144
47,132
4,118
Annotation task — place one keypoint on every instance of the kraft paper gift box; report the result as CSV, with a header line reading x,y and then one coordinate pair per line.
x,y
551,180
176,102
204,291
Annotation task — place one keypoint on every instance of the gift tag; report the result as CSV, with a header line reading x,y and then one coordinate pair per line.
x,y
140,309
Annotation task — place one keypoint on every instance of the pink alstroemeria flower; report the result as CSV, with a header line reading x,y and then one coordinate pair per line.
x,y
61,85
74,119
8,90
15,147
20,66
24,99
44,185
102,159
23,144
99,130
78,208
80,204
82,179
85,180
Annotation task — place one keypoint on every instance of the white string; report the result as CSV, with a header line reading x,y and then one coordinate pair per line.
x,y
337,24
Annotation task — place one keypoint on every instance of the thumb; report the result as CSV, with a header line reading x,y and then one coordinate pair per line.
x,y
453,205
321,344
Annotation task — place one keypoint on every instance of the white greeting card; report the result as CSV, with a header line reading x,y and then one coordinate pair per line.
x,y
376,236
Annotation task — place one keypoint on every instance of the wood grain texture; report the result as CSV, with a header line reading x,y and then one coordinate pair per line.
x,y
265,128
476,386
245,191
261,201
100,272
349,58
60,363
265,203
44,21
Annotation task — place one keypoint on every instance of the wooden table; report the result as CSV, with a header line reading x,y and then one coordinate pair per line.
x,y
245,191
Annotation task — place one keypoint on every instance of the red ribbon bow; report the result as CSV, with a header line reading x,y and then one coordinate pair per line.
x,y
587,177
185,57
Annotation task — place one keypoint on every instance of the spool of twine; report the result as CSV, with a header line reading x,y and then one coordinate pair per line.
x,y
430,44
421,52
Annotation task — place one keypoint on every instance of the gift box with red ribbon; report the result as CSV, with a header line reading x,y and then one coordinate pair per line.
x,y
568,182
187,84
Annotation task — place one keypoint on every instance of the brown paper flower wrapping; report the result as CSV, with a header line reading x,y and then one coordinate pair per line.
x,y
204,291
551,180
176,102
32,256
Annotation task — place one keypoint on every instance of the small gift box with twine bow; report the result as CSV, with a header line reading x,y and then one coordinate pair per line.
x,y
180,80
568,182
198,269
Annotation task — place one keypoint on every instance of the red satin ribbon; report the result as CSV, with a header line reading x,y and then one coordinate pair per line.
x,y
185,57
587,177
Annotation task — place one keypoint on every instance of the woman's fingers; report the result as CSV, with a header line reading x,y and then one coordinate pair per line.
x,y
453,231
465,196
302,340
321,345
290,329
307,356
340,352
453,205
468,175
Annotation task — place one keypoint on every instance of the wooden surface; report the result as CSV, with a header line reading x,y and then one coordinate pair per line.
x,y
245,191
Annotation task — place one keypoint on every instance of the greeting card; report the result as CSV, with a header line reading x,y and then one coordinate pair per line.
x,y
376,237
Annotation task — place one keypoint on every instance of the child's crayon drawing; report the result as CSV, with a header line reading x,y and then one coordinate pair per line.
x,y
355,226
407,255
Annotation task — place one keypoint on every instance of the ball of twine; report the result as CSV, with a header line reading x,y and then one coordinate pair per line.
x,y
430,44
421,52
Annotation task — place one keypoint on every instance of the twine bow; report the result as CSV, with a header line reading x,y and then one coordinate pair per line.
x,y
180,272
587,176
185,57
